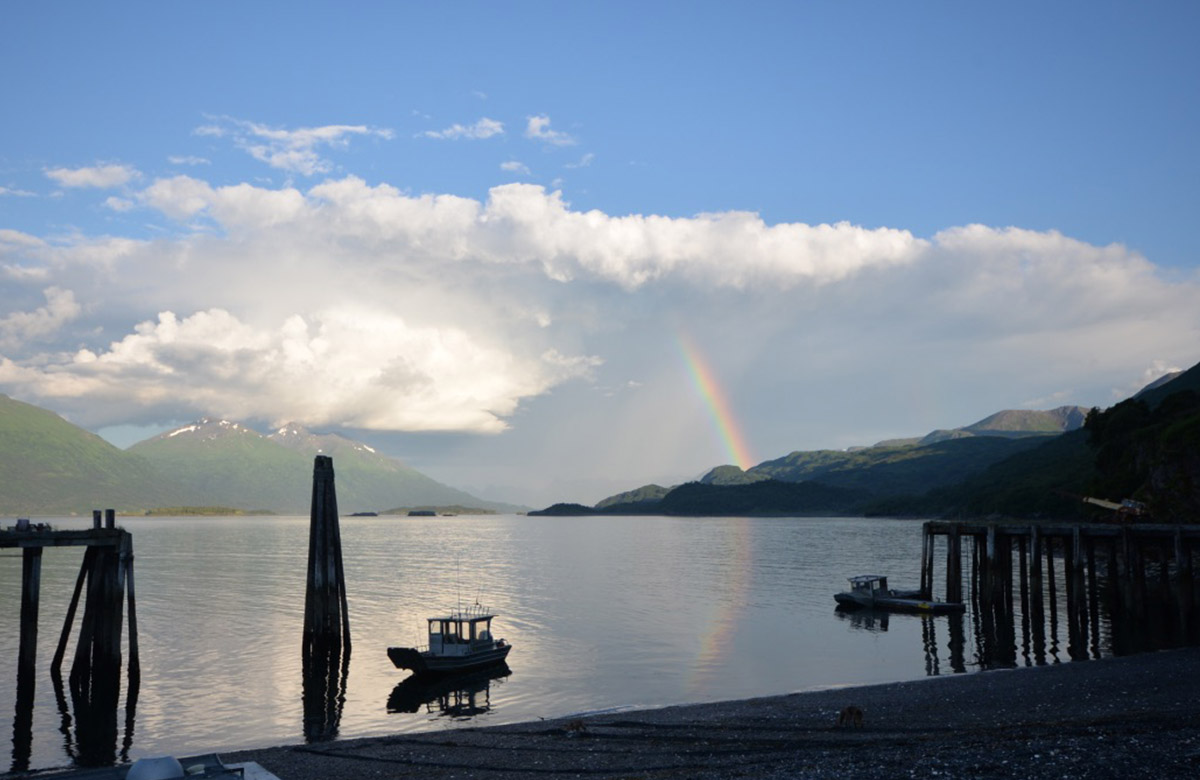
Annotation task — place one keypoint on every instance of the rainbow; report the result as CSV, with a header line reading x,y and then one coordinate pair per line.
x,y
705,381
716,644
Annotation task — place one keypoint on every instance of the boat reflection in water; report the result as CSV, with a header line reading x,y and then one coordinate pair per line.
x,y
864,618
461,695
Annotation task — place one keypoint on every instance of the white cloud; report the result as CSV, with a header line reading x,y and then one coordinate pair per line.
x,y
584,161
373,371
188,160
15,193
100,176
538,129
118,204
513,166
484,128
360,305
21,327
296,150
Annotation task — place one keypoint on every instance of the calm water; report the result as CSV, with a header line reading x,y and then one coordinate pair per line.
x,y
603,614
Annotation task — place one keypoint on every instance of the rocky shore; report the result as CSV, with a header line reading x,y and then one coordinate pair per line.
x,y
1137,716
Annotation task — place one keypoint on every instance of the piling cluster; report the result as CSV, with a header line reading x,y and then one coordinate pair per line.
x,y
1142,576
104,583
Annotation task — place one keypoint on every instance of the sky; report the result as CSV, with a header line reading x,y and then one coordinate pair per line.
x,y
552,251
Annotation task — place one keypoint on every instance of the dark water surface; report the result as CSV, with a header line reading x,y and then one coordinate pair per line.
x,y
603,613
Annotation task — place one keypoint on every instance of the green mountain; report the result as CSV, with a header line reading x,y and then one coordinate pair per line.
x,y
647,494
226,463
52,467
376,482
1017,424
1016,463
895,470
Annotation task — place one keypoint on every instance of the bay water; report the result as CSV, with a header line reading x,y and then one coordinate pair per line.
x,y
604,614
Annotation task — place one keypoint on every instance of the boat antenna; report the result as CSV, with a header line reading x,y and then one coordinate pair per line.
x,y
458,581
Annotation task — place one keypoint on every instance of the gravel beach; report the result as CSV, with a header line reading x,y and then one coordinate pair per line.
x,y
1137,716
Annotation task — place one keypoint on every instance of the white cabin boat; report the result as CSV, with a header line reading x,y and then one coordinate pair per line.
x,y
458,641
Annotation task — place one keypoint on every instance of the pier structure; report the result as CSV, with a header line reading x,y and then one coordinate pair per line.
x,y
1131,571
105,582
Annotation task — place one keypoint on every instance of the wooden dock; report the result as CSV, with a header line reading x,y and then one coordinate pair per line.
x,y
1130,571
105,581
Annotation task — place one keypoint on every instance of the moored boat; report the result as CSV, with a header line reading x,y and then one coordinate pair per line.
x,y
458,641
871,591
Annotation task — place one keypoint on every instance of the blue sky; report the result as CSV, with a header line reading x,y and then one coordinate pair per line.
x,y
473,235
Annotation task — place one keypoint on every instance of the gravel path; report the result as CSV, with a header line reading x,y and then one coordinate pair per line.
x,y
1130,717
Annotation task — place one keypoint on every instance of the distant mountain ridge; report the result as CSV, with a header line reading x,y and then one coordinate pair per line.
x,y
55,467
50,466
859,477
1013,463
255,471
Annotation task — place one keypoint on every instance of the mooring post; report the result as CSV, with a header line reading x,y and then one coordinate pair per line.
x,y
1093,595
1036,596
325,618
954,564
993,577
926,562
31,575
1023,579
126,553
85,649
1138,572
1112,571
326,648
1076,598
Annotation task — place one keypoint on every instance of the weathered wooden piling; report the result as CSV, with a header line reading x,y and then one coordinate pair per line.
x,y
1146,567
326,647
31,573
95,673
326,617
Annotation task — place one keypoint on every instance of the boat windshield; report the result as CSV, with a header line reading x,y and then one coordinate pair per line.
x,y
452,631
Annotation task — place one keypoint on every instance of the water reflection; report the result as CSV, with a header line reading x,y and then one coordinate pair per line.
x,y
325,669
995,627
863,618
453,696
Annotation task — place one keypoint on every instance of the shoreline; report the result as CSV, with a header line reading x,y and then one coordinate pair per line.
x,y
1130,716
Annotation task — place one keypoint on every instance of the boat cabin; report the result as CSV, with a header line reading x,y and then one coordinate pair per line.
x,y
460,633
869,585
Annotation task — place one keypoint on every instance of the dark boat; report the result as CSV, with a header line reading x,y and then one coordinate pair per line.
x,y
458,641
871,591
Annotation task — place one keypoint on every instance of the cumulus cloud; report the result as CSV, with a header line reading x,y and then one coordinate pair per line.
x,y
513,166
15,193
359,305
583,162
21,327
295,151
484,128
100,176
345,367
538,129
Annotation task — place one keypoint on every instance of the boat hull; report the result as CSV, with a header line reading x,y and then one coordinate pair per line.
x,y
429,663
899,604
